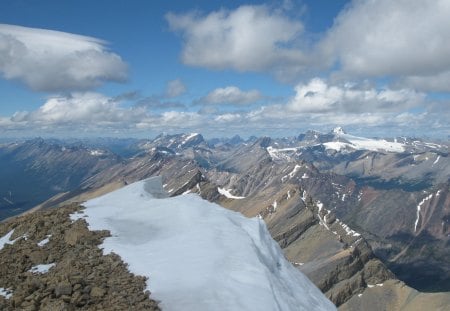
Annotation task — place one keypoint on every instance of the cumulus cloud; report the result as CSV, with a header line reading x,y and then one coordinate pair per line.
x,y
79,112
231,95
249,38
175,88
318,96
54,61
397,38
79,109
95,113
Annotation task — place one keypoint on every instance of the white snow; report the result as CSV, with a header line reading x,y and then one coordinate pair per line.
x,y
419,206
347,229
288,195
305,176
6,239
5,293
322,221
198,255
361,143
75,216
274,205
96,153
45,241
280,154
42,268
303,196
294,171
188,138
436,161
227,193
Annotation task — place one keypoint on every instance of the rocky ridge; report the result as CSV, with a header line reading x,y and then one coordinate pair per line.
x,y
53,263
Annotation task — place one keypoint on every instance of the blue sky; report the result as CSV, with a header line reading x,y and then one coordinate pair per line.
x,y
138,68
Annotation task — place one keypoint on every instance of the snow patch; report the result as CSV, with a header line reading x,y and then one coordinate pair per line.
x,y
96,153
436,161
78,215
189,137
348,230
280,154
361,143
419,207
5,292
228,260
45,241
303,196
227,193
274,205
44,268
6,239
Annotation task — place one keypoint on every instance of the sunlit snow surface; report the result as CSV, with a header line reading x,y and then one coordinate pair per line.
x,y
360,143
6,239
198,255
44,268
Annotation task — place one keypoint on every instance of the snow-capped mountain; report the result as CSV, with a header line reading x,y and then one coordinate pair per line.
x,y
198,255
311,196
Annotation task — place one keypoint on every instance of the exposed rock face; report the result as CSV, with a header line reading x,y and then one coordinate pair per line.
x,y
77,276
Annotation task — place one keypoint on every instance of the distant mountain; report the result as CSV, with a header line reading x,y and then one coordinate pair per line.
x,y
35,170
335,202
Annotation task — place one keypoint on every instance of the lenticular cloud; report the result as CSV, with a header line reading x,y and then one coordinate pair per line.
x,y
53,61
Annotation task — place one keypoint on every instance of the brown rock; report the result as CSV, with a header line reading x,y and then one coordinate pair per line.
x,y
97,292
75,233
63,288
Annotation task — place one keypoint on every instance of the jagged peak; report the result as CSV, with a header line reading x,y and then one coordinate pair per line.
x,y
338,131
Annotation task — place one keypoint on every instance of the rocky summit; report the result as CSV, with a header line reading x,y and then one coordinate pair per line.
x,y
49,262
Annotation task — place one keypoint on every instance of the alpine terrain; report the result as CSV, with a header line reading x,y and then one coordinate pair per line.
x,y
367,220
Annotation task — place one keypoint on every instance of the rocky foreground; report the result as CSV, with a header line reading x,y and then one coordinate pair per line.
x,y
53,263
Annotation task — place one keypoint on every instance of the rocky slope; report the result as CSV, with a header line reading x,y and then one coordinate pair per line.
x,y
334,211
49,262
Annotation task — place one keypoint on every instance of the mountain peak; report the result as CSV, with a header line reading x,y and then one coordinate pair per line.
x,y
338,131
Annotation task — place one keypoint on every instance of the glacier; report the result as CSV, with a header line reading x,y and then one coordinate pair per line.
x,y
198,255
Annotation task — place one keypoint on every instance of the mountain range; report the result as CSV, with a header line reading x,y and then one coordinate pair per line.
x,y
367,220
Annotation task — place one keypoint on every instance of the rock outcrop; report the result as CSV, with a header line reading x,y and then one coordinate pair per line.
x,y
53,263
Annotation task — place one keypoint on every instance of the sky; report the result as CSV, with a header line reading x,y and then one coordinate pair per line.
x,y
138,68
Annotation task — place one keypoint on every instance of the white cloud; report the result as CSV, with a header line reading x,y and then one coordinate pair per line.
x,y
385,37
318,97
48,60
249,38
79,110
97,113
231,95
175,88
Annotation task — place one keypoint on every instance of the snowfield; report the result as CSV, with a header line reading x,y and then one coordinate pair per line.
x,y
198,255
361,143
